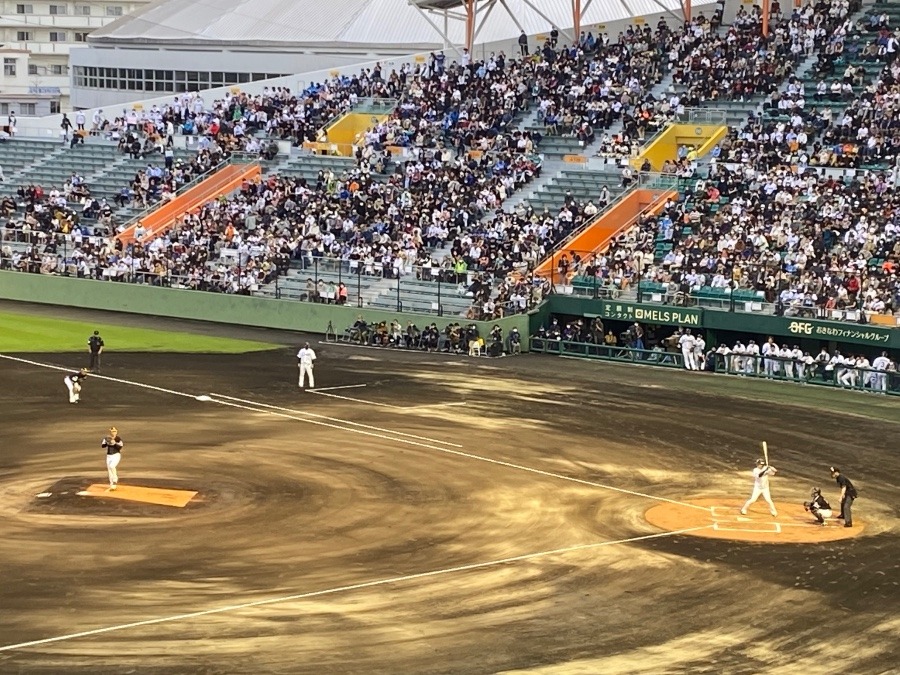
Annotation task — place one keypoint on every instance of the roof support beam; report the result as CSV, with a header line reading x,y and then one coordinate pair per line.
x,y
484,18
576,19
439,31
546,18
512,15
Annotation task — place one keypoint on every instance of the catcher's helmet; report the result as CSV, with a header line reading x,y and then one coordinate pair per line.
x,y
815,492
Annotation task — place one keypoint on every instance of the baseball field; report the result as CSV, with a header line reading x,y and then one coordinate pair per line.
x,y
426,513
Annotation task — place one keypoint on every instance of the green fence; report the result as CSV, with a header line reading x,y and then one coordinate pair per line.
x,y
706,319
215,307
650,357
785,370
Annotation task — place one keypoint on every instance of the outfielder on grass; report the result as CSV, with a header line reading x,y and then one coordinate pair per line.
x,y
761,473
73,384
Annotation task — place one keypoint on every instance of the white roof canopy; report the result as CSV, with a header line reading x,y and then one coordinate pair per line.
x,y
395,24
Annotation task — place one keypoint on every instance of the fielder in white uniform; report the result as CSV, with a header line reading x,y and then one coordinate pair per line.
x,y
113,445
881,364
751,361
305,358
687,342
699,353
761,474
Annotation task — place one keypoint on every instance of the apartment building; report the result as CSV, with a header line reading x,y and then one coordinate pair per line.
x,y
35,40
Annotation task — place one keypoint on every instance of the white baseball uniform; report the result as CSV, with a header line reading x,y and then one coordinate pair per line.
x,y
305,358
761,488
687,343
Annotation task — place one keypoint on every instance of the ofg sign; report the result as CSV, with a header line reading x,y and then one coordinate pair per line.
x,y
653,314
862,334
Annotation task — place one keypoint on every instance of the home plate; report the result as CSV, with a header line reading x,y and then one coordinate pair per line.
x,y
145,495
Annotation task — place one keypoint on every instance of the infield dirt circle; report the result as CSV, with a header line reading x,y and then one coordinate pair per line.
x,y
717,518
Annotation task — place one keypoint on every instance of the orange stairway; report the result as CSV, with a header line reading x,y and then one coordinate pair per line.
x,y
612,222
222,182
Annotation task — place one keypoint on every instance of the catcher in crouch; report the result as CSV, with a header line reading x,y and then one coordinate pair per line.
x,y
73,384
818,507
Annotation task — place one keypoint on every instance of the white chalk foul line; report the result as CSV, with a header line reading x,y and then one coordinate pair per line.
x,y
258,407
99,377
401,408
343,386
459,453
342,589
319,392
314,416
273,410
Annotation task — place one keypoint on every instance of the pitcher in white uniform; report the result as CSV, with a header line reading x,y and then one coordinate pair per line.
x,y
761,474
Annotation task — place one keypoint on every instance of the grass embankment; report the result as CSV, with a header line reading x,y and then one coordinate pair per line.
x,y
24,333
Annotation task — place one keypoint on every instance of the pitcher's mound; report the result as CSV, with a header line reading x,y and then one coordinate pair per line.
x,y
722,519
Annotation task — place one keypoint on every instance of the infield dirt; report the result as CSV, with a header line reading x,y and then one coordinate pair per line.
x,y
377,527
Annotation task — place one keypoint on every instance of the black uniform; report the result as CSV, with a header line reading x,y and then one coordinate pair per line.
x,y
95,344
849,494
817,504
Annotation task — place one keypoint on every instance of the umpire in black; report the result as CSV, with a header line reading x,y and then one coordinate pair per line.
x,y
848,494
95,347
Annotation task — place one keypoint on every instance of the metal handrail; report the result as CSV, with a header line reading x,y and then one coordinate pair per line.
x,y
196,181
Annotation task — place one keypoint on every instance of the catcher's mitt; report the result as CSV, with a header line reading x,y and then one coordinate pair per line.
x,y
806,506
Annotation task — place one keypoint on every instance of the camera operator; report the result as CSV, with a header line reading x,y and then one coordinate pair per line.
x,y
496,342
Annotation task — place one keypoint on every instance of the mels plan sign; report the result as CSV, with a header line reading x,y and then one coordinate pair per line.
x,y
675,316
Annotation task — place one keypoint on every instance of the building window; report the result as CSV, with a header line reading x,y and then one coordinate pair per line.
x,y
24,9
54,108
32,69
27,109
24,36
82,10
57,36
57,69
114,10
9,67
56,10
81,37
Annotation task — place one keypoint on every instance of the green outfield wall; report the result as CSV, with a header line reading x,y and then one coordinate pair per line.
x,y
216,307
715,321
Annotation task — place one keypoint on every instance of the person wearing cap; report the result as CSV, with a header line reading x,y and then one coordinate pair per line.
x,y
112,444
73,384
305,358
95,347
817,506
761,473
848,494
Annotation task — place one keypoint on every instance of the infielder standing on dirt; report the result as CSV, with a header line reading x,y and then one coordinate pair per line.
x,y
305,358
113,446
73,384
761,474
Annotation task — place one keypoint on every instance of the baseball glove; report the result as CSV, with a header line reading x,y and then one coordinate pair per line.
x,y
806,506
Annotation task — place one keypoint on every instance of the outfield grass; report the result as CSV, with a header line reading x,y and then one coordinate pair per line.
x,y
24,333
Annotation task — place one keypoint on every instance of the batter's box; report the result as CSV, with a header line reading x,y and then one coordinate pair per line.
x,y
767,528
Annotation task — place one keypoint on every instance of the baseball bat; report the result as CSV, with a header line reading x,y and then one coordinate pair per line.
x,y
766,452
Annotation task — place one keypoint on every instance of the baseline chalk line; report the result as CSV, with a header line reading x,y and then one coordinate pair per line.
x,y
342,589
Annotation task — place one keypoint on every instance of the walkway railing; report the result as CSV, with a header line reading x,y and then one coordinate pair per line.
x,y
778,369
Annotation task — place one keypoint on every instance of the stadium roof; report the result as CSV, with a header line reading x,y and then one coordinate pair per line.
x,y
396,24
